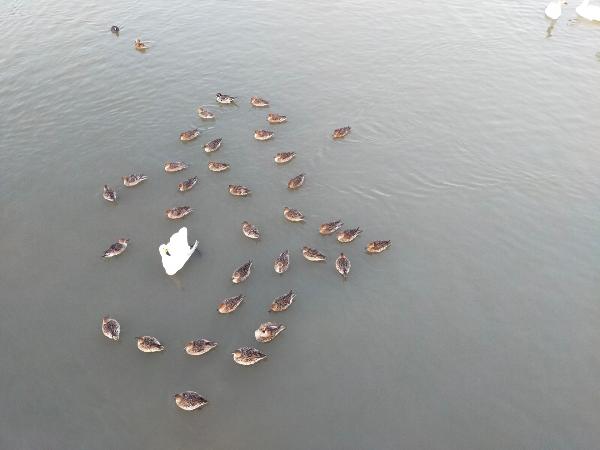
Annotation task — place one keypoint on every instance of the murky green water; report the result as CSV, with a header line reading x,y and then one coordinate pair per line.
x,y
475,149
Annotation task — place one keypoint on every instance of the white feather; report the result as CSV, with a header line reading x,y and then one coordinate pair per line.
x,y
176,253
554,9
589,12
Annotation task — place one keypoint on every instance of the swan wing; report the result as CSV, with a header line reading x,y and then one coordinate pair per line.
x,y
179,242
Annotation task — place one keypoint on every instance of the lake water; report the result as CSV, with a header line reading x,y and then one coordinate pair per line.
x,y
474,148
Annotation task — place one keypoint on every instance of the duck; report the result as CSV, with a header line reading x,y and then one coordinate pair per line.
x,y
239,190
230,304
284,157
276,118
293,215
263,135
176,253
149,344
205,114
342,264
111,328
554,9
189,135
116,249
377,246
139,45
187,184
259,102
179,212
175,166
109,194
215,166
340,133
190,400
282,262
312,254
248,356
348,235
330,227
250,231
213,145
296,182
589,12
268,331
225,99
242,273
199,347
115,29
134,179
282,303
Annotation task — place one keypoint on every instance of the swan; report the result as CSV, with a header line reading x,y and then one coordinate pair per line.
x,y
589,12
176,253
554,9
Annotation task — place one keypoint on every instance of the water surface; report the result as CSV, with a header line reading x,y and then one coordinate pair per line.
x,y
474,148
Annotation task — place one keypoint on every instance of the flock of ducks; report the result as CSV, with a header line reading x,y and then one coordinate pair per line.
x,y
177,252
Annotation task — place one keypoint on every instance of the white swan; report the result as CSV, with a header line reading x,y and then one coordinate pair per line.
x,y
176,253
589,12
554,9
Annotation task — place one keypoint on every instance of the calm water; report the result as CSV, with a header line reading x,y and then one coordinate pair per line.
x,y
474,149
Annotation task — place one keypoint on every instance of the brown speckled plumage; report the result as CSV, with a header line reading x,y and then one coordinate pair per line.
x,y
178,212
282,303
282,262
247,356
242,273
230,304
190,400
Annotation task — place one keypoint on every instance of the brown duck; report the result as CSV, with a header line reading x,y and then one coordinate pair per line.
x,y
175,166
331,227
282,262
247,356
190,400
296,182
187,184
149,344
116,249
111,328
276,118
213,145
342,264
199,347
250,231
242,273
268,331
134,179
259,102
282,303
284,157
230,304
377,246
263,135
313,255
178,212
214,166
340,133
239,190
189,135
293,215
348,235
205,114
109,194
